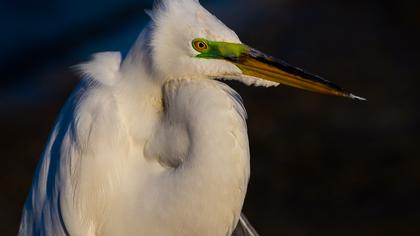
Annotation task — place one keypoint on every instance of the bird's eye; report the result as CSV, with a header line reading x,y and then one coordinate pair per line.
x,y
200,45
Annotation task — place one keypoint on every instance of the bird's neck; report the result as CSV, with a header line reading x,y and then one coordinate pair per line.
x,y
203,140
195,131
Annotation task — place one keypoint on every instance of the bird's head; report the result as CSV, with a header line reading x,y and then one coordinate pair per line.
x,y
189,42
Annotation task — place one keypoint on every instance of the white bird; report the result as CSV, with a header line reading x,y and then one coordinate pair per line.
x,y
152,144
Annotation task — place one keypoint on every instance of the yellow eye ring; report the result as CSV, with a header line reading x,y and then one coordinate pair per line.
x,y
200,45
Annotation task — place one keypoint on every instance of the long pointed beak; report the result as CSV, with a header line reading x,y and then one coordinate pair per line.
x,y
257,64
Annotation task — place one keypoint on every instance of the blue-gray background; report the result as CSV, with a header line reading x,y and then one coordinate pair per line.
x,y
320,165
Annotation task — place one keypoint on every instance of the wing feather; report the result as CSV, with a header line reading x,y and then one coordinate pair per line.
x,y
244,228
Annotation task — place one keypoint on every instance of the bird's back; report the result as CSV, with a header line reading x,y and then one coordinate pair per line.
x,y
73,178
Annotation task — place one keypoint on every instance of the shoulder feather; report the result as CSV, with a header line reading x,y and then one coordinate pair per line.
x,y
103,68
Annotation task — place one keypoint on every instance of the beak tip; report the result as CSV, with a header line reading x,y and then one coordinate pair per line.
x,y
354,97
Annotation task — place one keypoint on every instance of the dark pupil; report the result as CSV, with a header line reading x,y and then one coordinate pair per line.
x,y
201,45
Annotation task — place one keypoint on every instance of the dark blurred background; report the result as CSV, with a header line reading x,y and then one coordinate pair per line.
x,y
320,165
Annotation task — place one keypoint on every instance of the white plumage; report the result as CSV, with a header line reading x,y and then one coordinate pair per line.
x,y
152,144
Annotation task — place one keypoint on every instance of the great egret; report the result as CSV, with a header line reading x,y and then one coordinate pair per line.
x,y
153,144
